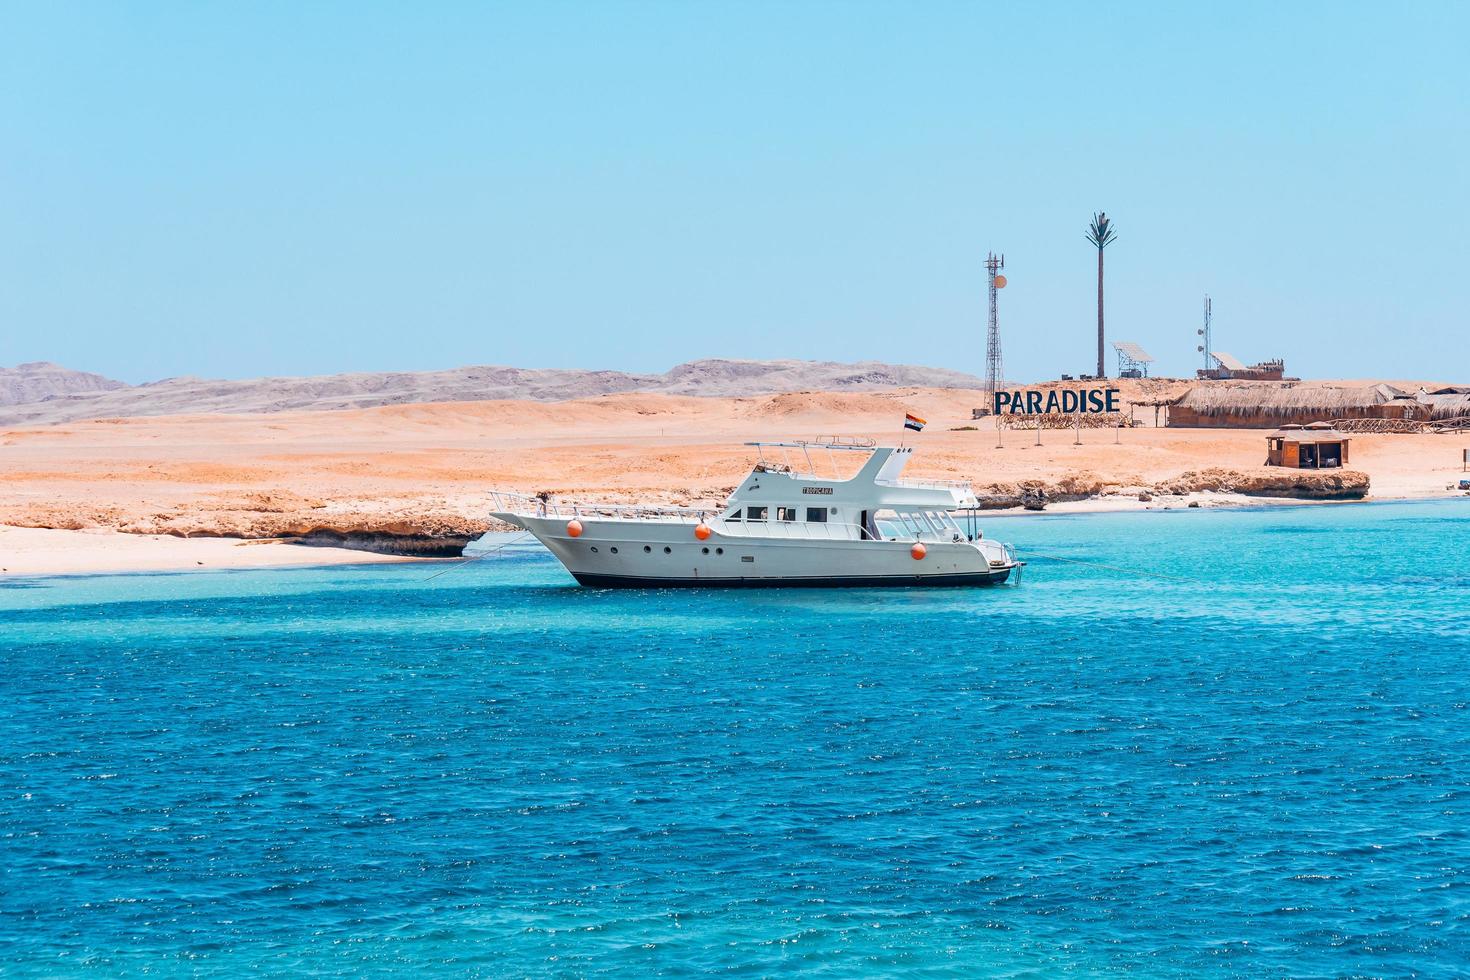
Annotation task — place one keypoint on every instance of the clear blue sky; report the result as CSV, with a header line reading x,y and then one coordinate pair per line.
x,y
253,188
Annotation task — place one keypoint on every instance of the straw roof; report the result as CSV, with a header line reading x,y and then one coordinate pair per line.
x,y
1308,433
1447,406
1285,399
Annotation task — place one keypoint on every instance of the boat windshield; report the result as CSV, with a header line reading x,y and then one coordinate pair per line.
x,y
928,524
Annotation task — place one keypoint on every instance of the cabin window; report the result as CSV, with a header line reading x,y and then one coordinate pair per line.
x,y
755,513
816,515
734,515
785,513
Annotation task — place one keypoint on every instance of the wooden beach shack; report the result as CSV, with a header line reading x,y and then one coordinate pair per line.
x,y
1309,447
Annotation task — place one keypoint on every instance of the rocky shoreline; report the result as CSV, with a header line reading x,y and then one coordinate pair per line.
x,y
435,528
1308,485
404,529
434,531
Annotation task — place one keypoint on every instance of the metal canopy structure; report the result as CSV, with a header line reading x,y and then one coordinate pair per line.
x,y
1227,361
1133,360
828,444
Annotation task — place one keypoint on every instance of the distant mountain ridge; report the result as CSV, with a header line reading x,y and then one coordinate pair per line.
x,y
68,397
37,381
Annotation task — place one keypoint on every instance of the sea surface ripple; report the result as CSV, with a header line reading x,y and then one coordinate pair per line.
x,y
1253,760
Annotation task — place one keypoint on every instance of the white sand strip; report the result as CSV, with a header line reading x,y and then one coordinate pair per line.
x,y
26,551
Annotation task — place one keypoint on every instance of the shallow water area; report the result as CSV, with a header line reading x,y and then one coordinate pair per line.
x,y
1249,757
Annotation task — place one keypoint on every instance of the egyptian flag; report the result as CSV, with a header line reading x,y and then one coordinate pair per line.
x,y
912,421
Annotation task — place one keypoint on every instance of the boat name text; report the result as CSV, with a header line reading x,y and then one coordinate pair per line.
x,y
825,490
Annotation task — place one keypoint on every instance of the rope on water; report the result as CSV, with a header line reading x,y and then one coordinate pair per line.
x,y
1117,568
486,554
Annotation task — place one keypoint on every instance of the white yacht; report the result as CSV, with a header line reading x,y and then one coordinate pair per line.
x,y
785,525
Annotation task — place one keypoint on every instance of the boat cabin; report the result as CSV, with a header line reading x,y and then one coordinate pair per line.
x,y
790,493
1308,447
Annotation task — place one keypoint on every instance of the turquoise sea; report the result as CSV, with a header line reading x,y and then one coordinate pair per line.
x,y
1252,761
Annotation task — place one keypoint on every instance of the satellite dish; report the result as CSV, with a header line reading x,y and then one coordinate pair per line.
x,y
1000,282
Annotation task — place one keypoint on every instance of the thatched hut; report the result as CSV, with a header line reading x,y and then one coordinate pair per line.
x,y
1264,405
1445,404
1404,407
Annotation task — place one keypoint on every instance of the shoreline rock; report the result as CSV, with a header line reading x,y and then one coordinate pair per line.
x,y
437,531
431,535
389,543
1294,484
1291,484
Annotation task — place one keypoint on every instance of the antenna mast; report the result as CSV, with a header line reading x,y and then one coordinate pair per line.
x,y
1205,333
994,376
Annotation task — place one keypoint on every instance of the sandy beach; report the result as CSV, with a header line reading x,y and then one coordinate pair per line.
x,y
27,552
171,491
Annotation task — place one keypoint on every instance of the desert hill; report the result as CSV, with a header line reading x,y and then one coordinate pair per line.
x,y
38,381
70,400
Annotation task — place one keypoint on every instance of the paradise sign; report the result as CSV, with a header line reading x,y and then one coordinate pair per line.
x,y
1082,401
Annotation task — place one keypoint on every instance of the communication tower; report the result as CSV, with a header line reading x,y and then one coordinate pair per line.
x,y
994,376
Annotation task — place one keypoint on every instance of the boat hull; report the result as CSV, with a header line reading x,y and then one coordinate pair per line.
x,y
595,581
659,555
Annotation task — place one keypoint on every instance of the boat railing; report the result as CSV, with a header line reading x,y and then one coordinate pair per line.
x,y
526,505
814,530
834,531
961,485
891,529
